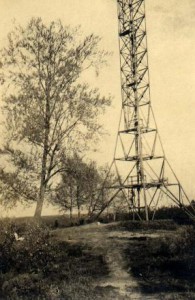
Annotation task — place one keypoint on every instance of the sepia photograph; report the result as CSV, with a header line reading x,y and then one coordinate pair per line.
x,y
97,150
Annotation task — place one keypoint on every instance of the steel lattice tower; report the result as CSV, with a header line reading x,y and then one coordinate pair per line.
x,y
143,176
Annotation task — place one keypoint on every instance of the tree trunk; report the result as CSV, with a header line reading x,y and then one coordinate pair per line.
x,y
71,213
78,203
43,183
41,197
42,189
40,201
90,208
79,212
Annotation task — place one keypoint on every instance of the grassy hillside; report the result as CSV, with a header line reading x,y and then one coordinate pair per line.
x,y
96,261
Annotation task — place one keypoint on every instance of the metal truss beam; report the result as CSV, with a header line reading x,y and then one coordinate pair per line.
x,y
140,170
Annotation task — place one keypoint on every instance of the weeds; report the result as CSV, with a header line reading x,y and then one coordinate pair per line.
x,y
166,263
40,267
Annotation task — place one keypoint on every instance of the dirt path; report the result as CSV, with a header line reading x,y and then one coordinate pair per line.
x,y
119,278
110,242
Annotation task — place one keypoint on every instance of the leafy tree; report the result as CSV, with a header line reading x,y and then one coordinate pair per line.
x,y
84,185
78,186
48,108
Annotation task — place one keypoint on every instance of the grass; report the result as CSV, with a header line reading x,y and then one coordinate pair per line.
x,y
164,264
156,225
41,267
47,266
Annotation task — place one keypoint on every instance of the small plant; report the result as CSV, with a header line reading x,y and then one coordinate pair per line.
x,y
166,263
41,267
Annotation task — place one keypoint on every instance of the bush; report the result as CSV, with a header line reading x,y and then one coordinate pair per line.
x,y
181,243
175,213
22,285
41,267
165,262
23,255
24,264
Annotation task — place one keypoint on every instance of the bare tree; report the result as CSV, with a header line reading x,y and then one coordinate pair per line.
x,y
48,107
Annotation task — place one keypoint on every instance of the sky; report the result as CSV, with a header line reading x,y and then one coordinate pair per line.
x,y
171,48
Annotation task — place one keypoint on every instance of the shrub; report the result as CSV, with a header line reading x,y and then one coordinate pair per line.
x,y
41,267
21,285
24,255
165,262
183,242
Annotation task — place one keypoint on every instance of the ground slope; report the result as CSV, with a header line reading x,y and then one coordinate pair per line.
x,y
112,241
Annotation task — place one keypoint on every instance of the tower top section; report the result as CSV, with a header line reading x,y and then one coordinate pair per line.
x,y
133,56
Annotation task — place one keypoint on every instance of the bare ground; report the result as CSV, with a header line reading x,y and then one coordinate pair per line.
x,y
111,241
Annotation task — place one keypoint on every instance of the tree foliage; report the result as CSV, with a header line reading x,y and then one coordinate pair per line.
x,y
84,187
78,187
49,110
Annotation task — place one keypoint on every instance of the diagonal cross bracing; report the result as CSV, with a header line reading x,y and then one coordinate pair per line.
x,y
140,170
